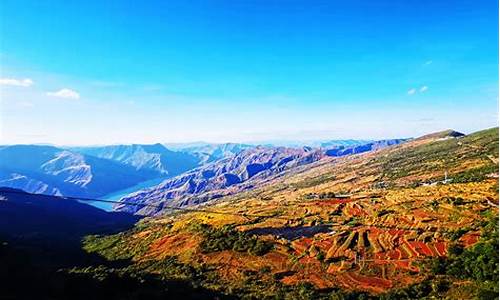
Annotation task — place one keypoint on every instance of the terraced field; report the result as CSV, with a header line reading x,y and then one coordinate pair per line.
x,y
374,224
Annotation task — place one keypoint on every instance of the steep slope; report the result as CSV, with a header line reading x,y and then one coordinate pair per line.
x,y
246,170
40,216
41,235
386,221
220,178
153,158
55,171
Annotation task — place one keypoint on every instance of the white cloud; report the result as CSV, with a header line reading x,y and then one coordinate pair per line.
x,y
65,93
422,89
428,63
16,82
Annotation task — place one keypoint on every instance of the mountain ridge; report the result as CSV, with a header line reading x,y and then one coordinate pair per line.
x,y
246,170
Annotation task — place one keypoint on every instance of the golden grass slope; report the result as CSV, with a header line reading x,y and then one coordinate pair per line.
x,y
396,214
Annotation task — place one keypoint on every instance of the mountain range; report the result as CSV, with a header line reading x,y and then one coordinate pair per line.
x,y
55,171
87,171
155,158
246,170
97,171
207,152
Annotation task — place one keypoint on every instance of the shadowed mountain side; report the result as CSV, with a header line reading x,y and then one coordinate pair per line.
x,y
41,237
52,228
28,216
22,277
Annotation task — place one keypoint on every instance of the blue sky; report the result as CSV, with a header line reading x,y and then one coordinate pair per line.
x,y
101,72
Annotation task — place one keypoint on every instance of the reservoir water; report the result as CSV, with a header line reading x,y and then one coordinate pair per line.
x,y
121,193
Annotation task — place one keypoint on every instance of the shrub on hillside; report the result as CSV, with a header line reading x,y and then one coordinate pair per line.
x,y
228,238
478,263
475,175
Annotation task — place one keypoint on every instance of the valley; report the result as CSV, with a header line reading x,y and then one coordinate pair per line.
x,y
117,195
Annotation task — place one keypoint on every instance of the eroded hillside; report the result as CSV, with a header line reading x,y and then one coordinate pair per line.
x,y
248,169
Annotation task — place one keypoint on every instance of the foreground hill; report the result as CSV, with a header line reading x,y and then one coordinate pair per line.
x,y
249,169
38,217
416,220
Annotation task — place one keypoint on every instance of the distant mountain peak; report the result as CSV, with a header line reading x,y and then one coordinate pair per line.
x,y
449,133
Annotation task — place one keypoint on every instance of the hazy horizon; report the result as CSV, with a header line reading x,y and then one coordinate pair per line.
x,y
278,142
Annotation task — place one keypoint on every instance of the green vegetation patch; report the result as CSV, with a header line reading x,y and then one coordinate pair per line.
x,y
228,238
478,263
120,245
476,174
110,246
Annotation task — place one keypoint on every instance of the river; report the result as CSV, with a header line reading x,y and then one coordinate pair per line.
x,y
121,193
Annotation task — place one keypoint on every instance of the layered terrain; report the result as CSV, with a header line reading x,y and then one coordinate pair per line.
x,y
88,171
413,220
155,158
100,171
55,171
247,169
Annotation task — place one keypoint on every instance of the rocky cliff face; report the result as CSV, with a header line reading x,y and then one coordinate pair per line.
x,y
19,181
248,169
220,178
98,171
54,171
155,158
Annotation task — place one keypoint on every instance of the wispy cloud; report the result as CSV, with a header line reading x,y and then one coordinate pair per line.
x,y
422,89
428,63
16,82
65,93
